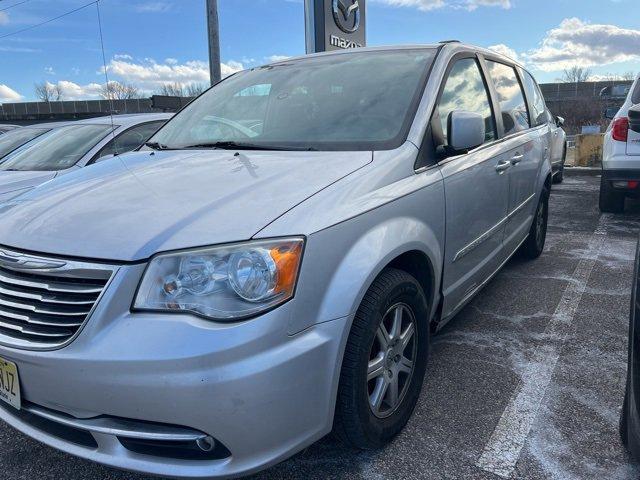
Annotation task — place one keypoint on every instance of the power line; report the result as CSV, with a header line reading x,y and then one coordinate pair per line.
x,y
48,21
106,73
14,5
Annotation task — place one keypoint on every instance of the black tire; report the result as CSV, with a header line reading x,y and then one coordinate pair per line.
x,y
559,176
533,246
624,432
355,423
611,201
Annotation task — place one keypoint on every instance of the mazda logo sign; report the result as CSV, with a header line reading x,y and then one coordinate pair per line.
x,y
346,14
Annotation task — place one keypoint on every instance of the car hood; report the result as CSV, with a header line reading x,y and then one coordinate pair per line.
x,y
13,181
133,206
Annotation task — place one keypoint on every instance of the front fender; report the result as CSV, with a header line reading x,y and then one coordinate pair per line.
x,y
341,262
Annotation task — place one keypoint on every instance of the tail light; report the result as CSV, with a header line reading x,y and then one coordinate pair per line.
x,y
620,129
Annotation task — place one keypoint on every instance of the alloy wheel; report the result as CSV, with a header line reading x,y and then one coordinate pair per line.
x,y
391,360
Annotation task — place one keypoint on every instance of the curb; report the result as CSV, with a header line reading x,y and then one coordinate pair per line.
x,y
582,171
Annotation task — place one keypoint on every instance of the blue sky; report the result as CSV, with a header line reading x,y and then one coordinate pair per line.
x,y
151,42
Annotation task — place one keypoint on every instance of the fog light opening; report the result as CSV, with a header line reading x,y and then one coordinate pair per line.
x,y
206,444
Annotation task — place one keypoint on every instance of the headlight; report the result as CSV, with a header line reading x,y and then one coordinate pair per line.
x,y
227,282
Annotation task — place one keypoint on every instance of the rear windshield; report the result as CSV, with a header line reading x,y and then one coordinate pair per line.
x,y
353,101
59,149
16,138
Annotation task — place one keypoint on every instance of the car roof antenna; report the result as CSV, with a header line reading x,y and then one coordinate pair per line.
x,y
106,78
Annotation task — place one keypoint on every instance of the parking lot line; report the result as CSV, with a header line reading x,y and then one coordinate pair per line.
x,y
502,451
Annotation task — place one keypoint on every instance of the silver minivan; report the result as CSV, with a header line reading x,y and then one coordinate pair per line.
x,y
272,265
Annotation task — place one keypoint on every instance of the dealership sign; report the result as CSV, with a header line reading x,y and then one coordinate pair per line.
x,y
334,24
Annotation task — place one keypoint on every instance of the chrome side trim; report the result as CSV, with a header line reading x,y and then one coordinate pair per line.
x,y
119,427
486,235
475,291
520,207
480,240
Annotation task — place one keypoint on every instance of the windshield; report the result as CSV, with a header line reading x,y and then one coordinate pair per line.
x,y
354,101
59,149
16,138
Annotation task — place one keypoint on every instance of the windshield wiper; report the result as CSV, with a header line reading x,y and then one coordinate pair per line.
x,y
231,145
155,145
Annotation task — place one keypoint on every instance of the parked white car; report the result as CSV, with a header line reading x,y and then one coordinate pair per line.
x,y
621,155
57,149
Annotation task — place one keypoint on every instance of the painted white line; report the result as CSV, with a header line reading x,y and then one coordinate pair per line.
x,y
502,452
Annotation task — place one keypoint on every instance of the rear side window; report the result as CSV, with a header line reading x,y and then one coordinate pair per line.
x,y
536,101
131,139
465,90
515,116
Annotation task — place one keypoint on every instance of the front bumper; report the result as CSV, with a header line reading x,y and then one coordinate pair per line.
x,y
259,391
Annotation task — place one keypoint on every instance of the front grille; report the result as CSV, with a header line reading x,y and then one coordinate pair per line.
x,y
45,302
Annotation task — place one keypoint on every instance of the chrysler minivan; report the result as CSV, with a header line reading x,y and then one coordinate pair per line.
x,y
272,265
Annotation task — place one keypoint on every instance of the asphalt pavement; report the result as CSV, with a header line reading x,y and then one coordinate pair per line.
x,y
526,382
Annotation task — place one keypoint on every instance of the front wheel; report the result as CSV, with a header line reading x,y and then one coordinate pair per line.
x,y
533,246
384,362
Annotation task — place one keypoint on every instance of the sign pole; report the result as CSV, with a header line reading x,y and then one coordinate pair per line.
x,y
214,41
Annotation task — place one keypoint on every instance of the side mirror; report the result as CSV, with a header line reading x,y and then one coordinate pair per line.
x,y
560,121
465,131
610,113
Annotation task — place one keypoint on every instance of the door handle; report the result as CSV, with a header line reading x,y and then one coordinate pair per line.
x,y
503,166
517,158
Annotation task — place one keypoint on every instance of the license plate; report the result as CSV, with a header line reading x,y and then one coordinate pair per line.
x,y
9,383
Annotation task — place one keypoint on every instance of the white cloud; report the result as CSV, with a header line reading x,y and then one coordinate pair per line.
x,y
149,75
154,7
474,4
503,49
73,91
427,5
49,71
578,43
8,94
122,56
4,18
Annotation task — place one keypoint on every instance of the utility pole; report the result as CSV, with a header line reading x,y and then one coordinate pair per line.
x,y
214,41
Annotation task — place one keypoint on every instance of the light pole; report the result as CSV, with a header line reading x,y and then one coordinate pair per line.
x,y
214,41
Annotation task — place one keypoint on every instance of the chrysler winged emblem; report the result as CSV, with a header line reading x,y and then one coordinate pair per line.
x,y
19,261
347,17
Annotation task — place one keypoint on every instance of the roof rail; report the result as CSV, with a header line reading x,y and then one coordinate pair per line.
x,y
450,41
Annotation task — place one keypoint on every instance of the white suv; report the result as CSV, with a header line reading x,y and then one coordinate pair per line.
x,y
621,155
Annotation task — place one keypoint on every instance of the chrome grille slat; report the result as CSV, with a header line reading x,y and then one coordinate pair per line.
x,y
63,288
39,321
32,331
43,311
45,302
44,298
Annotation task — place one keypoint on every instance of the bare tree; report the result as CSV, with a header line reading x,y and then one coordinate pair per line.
x,y
181,90
119,91
576,74
628,76
172,90
48,92
194,89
